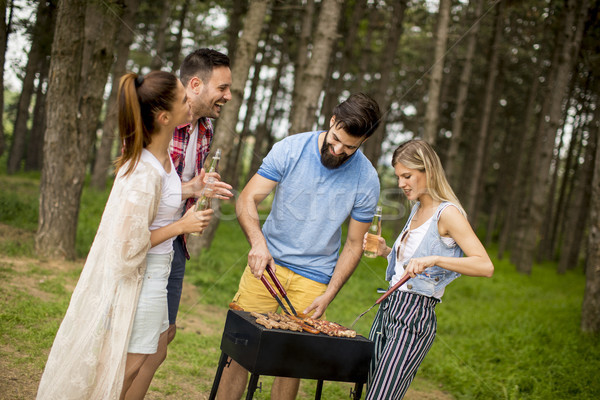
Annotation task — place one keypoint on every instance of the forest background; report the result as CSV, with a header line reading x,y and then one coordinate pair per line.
x,y
506,91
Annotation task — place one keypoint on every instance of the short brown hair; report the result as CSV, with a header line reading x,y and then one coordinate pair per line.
x,y
359,115
201,63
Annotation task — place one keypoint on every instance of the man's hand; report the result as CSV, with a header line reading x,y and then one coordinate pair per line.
x,y
215,188
258,259
211,181
319,305
246,208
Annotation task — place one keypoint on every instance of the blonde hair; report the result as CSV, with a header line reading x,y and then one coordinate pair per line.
x,y
418,154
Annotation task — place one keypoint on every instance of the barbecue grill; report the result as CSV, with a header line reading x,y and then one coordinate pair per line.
x,y
276,352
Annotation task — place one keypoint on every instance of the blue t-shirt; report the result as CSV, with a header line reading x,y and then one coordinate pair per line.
x,y
303,230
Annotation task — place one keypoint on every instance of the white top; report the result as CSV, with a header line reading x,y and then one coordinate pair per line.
x,y
170,200
406,247
189,168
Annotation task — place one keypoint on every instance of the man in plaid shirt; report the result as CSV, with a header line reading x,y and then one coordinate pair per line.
x,y
206,76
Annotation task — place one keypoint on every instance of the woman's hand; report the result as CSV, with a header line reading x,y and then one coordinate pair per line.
x,y
382,249
195,221
416,266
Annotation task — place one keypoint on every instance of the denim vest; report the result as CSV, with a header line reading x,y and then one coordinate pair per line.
x,y
434,279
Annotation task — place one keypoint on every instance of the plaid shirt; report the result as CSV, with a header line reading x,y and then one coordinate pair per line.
x,y
179,144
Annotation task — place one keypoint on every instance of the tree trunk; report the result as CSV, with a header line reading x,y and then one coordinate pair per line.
x,y
478,154
78,71
571,170
555,206
179,37
520,157
488,155
239,9
262,132
103,155
35,145
577,211
372,148
549,123
500,199
590,312
3,44
244,55
452,164
367,53
432,113
18,147
301,54
343,63
313,76
266,54
545,247
98,57
517,207
160,36
60,185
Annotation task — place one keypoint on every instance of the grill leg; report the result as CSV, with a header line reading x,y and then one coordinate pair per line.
x,y
215,386
357,390
252,386
319,389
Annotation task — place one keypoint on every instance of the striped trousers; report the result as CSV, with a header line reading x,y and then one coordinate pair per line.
x,y
403,332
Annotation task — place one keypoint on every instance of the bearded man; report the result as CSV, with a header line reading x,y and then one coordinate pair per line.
x,y
320,179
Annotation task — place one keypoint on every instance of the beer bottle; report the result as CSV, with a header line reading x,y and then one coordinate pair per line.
x,y
373,235
203,202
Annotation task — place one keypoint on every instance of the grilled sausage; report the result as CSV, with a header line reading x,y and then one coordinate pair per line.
x,y
235,306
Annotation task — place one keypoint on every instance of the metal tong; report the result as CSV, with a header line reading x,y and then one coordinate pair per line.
x,y
384,296
269,287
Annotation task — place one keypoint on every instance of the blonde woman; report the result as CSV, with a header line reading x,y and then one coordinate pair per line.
x,y
436,246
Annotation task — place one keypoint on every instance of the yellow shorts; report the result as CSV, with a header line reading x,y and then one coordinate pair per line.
x,y
252,295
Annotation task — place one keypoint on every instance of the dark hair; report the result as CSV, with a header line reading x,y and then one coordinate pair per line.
x,y
359,115
201,63
140,99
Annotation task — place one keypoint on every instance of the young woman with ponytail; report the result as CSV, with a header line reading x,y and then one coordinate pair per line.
x,y
430,249
117,316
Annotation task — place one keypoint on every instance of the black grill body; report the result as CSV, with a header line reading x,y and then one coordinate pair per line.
x,y
276,352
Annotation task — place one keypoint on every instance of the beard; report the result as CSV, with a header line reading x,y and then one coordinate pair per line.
x,y
327,159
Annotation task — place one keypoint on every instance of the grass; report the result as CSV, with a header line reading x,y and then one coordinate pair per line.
x,y
508,337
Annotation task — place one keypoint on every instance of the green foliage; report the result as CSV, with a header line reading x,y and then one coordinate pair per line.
x,y
515,337
19,202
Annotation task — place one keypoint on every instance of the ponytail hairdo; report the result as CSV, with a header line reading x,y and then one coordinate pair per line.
x,y
140,99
